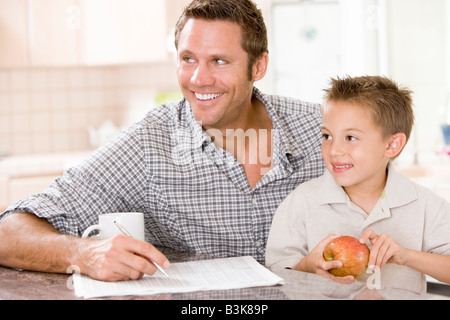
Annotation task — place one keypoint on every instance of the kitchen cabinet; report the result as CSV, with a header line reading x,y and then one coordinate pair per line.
x,y
118,31
82,32
13,33
53,40
35,33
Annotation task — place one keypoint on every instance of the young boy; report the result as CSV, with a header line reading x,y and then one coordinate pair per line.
x,y
366,123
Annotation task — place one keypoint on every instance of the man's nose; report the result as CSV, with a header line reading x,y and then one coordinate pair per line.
x,y
202,76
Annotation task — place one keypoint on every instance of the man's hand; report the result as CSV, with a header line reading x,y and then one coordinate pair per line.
x,y
31,243
119,258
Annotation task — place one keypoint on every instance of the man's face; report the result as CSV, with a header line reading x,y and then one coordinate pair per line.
x,y
212,72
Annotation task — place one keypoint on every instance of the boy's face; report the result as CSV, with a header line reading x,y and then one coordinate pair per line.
x,y
353,147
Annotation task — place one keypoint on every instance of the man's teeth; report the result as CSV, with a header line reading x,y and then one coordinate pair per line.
x,y
208,96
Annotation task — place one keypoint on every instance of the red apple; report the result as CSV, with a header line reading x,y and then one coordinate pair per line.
x,y
353,255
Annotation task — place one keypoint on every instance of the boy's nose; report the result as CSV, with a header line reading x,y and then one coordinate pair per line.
x,y
336,149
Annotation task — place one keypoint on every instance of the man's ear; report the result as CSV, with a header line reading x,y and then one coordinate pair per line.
x,y
395,144
260,67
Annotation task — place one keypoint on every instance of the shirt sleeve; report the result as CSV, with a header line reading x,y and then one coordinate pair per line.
x,y
112,179
287,243
437,225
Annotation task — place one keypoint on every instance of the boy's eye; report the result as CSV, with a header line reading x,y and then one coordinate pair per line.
x,y
350,138
326,136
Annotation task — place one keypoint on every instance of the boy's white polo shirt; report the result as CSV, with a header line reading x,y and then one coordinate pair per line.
x,y
415,217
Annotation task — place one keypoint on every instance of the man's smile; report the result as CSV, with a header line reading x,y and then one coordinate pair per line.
x,y
207,96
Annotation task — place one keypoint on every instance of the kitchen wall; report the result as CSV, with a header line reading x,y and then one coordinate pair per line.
x,y
57,80
406,40
50,109
418,51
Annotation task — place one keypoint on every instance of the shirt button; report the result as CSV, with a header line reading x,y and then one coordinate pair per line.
x,y
254,201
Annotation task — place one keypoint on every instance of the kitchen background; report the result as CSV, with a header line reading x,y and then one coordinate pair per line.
x,y
74,72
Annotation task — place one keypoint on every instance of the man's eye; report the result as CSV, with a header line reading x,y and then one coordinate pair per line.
x,y
188,59
219,61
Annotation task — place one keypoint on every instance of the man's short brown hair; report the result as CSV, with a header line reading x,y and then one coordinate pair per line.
x,y
243,12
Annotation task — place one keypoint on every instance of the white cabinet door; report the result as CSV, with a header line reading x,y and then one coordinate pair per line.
x,y
13,33
53,33
82,32
123,31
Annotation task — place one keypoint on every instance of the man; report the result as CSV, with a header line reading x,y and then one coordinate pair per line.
x,y
208,172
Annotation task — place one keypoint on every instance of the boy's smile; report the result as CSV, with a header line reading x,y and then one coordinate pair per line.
x,y
340,168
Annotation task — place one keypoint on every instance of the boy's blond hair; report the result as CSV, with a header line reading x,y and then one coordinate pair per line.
x,y
389,104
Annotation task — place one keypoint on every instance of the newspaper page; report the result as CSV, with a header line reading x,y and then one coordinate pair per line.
x,y
215,274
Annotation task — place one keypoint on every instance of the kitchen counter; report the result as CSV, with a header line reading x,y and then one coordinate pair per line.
x,y
435,177
40,164
23,175
16,284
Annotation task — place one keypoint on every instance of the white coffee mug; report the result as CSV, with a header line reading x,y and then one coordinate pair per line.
x,y
132,222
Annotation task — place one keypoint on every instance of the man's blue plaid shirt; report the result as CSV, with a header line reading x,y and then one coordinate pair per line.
x,y
195,196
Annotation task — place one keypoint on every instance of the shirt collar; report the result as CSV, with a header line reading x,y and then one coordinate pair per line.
x,y
280,146
399,189
199,136
334,193
190,133
296,135
285,145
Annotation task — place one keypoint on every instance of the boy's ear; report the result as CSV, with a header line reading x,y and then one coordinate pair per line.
x,y
395,144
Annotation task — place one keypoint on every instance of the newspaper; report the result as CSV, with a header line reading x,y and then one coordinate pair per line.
x,y
215,274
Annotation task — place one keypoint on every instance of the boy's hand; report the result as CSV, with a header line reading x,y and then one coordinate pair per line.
x,y
314,262
384,249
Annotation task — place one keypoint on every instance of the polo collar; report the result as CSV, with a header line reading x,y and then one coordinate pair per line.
x,y
399,189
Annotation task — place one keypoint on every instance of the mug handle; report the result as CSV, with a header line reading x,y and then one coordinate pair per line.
x,y
90,229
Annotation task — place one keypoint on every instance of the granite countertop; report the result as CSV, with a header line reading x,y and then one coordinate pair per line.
x,y
17,285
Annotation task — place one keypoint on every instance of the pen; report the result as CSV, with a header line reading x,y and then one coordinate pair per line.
x,y
125,232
